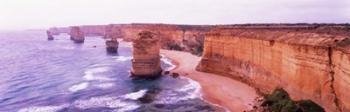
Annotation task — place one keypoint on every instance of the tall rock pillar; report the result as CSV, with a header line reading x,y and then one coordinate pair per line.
x,y
146,58
77,35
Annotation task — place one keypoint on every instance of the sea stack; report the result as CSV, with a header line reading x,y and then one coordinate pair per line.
x,y
112,45
76,35
111,40
49,35
146,58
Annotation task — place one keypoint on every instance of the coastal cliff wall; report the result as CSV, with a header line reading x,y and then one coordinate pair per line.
x,y
308,62
189,38
174,37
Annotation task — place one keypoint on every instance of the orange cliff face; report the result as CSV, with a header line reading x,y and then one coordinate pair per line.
x,y
174,37
146,57
308,62
189,38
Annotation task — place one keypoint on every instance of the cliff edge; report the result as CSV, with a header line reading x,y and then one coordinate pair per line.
x,y
308,61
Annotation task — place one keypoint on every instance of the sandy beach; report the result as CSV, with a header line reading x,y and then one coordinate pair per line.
x,y
231,94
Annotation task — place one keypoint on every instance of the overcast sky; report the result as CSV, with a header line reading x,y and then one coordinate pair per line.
x,y
25,14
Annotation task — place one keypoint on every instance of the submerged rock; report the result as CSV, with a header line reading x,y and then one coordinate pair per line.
x,y
175,75
166,72
150,95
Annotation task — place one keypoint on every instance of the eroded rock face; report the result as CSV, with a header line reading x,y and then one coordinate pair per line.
x,y
146,57
308,62
173,37
341,80
113,32
77,35
189,38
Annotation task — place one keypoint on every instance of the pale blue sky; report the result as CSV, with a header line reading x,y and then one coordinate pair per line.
x,y
26,14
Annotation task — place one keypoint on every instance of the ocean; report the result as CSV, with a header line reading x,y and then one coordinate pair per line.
x,y
37,75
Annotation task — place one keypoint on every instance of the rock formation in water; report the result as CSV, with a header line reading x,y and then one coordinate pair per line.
x,y
111,40
49,35
189,38
308,61
112,45
146,57
77,35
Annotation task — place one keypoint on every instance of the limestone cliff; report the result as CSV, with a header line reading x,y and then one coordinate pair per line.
x,y
188,38
308,61
175,37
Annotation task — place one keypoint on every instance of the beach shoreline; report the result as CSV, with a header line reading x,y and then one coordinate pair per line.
x,y
233,95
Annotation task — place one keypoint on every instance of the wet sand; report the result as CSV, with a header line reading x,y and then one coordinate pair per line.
x,y
231,94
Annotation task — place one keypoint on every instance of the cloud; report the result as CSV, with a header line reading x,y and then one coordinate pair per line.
x,y
21,14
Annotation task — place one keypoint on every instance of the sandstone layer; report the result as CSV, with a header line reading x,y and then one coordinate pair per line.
x,y
146,57
308,61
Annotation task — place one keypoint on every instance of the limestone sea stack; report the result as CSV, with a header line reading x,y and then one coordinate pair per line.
x,y
77,35
49,35
112,45
146,58
111,40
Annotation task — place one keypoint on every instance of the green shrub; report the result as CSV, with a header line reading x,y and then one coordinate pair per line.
x,y
279,101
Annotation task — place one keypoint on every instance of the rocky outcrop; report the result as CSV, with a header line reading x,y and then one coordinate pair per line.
x,y
308,61
189,38
49,35
76,35
146,57
111,39
58,30
112,45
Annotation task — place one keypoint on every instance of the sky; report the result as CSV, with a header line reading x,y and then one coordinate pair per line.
x,y
37,14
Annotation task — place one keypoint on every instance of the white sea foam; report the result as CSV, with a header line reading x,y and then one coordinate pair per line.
x,y
90,74
68,47
192,87
79,87
191,90
110,102
105,85
168,62
135,95
122,58
43,108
